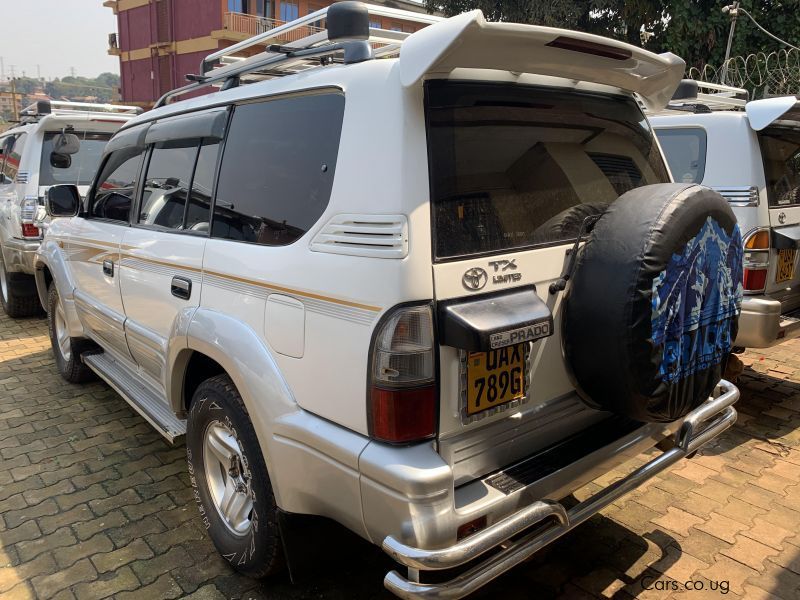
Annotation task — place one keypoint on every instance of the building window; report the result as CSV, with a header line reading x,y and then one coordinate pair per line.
x,y
239,6
375,24
289,10
264,8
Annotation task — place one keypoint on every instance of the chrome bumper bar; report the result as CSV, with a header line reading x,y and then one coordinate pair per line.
x,y
699,427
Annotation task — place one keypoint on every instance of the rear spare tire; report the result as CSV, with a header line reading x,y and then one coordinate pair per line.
x,y
652,310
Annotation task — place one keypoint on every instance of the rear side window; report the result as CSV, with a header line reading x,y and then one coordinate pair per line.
x,y
13,154
82,166
277,168
115,186
516,166
780,149
685,150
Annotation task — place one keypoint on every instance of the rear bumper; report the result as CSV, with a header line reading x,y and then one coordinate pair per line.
x,y
699,427
18,255
762,325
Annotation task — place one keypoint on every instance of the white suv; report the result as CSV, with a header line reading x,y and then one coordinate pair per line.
x,y
750,153
426,297
55,143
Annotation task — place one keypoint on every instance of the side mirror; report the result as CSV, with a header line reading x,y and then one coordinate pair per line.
x,y
63,201
60,161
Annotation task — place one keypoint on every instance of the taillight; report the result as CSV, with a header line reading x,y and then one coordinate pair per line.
x,y
758,240
756,260
30,231
27,214
402,396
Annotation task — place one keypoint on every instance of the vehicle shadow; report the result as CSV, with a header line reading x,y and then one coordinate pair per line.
x,y
597,559
769,411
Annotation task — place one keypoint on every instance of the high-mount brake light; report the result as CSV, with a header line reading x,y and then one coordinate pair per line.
x,y
402,394
586,47
756,260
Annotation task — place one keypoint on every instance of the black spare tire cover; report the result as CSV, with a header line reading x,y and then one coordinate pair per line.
x,y
653,305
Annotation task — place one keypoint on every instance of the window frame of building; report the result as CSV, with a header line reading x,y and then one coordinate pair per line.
x,y
283,16
238,6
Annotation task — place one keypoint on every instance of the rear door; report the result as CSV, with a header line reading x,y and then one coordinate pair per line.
x,y
162,257
515,171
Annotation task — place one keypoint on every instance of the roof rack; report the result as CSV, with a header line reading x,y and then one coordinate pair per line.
x,y
43,108
704,96
347,37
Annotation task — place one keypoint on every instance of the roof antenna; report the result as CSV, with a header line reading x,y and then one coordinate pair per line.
x,y
348,25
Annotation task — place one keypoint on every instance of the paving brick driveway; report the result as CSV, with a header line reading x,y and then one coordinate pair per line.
x,y
93,504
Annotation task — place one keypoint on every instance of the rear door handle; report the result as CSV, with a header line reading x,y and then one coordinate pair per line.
x,y
108,267
181,287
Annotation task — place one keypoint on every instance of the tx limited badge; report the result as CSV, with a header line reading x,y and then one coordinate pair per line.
x,y
502,270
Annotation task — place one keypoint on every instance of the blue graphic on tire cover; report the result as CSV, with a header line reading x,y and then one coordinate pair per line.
x,y
695,300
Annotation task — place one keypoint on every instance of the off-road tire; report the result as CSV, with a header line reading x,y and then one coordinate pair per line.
x,y
19,298
259,552
72,369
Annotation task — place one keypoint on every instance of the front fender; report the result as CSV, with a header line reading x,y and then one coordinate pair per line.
x,y
51,256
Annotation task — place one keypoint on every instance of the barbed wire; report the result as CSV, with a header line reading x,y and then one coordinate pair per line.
x,y
761,74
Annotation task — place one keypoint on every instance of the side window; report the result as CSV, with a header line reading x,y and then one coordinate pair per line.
x,y
198,211
277,169
113,192
3,142
13,153
166,184
685,150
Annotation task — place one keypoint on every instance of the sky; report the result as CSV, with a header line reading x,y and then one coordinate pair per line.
x,y
57,35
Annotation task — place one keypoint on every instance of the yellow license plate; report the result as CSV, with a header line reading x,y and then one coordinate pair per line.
x,y
785,265
495,377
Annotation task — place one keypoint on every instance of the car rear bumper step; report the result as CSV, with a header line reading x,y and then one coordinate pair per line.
x,y
699,427
155,410
762,323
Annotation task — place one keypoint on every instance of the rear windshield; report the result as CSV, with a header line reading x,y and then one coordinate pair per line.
x,y
83,165
685,150
515,166
780,149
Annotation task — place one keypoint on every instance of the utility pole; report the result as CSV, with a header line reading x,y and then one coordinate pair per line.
x,y
733,10
11,68
39,72
14,97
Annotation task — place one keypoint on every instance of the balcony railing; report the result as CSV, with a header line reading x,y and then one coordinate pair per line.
x,y
251,25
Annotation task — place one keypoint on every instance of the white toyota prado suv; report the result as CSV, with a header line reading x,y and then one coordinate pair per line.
x,y
56,142
750,153
425,286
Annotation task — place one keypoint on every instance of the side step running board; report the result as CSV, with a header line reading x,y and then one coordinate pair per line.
x,y
154,409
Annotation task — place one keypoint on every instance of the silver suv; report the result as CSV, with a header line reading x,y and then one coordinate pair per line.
x,y
427,297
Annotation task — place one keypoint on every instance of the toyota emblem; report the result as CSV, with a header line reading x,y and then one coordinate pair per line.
x,y
474,279
781,217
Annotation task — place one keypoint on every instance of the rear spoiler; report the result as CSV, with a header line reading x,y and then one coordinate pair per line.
x,y
771,111
469,41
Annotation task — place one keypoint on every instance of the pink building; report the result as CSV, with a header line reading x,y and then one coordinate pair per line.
x,y
159,42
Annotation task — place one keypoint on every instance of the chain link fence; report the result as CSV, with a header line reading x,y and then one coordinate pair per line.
x,y
763,75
